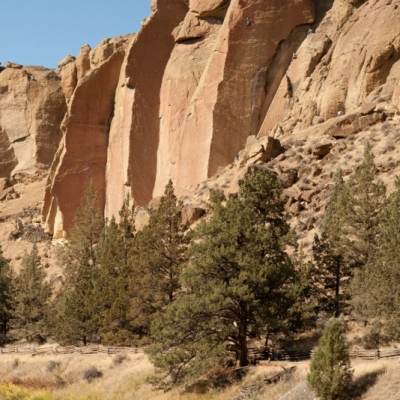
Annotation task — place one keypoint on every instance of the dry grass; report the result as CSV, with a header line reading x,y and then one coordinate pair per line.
x,y
125,378
377,380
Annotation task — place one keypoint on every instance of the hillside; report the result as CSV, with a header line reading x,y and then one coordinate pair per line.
x,y
203,93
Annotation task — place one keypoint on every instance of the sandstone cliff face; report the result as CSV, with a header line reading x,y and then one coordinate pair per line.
x,y
82,156
134,134
32,107
208,112
182,97
352,59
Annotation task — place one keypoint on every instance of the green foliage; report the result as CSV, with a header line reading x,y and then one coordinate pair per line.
x,y
31,299
379,282
115,272
364,200
238,282
76,317
158,259
330,374
6,295
348,238
330,276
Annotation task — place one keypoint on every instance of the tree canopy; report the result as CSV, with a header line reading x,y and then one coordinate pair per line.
x,y
236,285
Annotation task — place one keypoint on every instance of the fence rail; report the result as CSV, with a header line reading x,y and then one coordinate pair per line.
x,y
260,354
54,350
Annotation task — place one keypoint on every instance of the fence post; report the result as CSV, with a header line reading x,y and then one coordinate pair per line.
x,y
378,354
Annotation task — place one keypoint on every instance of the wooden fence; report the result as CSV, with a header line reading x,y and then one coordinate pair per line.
x,y
54,350
258,354
305,354
374,354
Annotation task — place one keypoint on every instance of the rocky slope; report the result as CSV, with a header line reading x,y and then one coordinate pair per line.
x,y
298,87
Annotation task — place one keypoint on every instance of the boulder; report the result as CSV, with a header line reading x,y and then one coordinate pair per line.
x,y
190,215
296,208
154,204
13,65
65,61
264,150
367,108
320,150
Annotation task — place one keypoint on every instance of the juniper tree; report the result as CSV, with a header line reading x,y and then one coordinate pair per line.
x,y
32,295
6,296
330,374
236,284
158,259
76,312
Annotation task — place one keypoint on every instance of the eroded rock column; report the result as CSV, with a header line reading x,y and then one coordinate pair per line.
x,y
134,135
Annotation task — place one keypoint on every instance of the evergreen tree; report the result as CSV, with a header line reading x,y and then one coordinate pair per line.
x,y
348,239
114,274
332,269
364,201
158,259
76,312
380,281
6,296
330,374
237,284
32,296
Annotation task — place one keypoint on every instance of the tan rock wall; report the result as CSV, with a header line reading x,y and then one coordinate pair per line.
x,y
84,154
354,53
32,107
212,126
134,134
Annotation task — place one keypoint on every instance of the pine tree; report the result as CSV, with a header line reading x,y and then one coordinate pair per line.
x,y
330,373
364,200
380,281
6,296
237,284
332,268
348,239
158,259
76,312
32,296
114,275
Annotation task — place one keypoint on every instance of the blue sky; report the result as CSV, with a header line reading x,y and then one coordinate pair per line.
x,y
43,32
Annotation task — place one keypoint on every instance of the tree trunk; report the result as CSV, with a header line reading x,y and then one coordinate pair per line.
x,y
242,353
337,290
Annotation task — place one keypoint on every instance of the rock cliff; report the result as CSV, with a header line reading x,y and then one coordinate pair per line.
x,y
32,107
201,84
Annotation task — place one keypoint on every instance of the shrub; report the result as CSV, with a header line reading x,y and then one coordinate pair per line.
x,y
92,373
119,359
330,375
52,365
